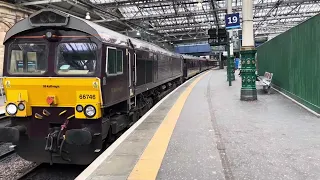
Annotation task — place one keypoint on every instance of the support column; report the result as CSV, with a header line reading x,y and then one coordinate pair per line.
x,y
231,57
248,51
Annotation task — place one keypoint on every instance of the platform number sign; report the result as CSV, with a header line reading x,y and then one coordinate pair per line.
x,y
232,21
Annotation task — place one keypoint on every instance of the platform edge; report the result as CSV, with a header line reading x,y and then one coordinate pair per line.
x,y
298,103
96,163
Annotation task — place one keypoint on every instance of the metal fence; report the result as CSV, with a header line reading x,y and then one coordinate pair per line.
x,y
294,59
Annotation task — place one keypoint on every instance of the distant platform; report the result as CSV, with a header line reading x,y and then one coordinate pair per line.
x,y
2,110
203,131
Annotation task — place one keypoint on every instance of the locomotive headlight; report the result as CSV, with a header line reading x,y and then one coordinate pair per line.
x,y
49,34
52,17
11,109
43,18
89,111
21,106
79,108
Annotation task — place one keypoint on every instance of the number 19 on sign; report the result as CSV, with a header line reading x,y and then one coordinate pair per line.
x,y
232,21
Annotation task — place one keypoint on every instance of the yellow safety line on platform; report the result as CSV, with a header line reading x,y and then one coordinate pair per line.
x,y
150,161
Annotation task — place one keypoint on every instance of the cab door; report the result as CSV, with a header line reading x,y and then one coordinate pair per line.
x,y
132,63
155,68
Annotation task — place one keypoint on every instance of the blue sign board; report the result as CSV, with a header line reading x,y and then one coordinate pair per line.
x,y
232,21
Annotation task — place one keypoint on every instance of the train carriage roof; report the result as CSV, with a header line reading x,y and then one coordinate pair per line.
x,y
189,57
103,34
100,32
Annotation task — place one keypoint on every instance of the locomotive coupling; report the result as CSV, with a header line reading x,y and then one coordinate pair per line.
x,y
79,136
11,134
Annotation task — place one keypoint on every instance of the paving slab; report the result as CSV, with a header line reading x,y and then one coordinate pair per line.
x,y
192,152
271,138
119,164
217,136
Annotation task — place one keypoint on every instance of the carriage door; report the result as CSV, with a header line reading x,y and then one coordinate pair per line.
x,y
155,68
132,77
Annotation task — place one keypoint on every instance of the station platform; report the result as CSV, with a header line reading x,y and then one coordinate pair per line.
x,y
202,131
2,110
2,105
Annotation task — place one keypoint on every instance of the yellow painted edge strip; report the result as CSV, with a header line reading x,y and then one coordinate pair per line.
x,y
150,161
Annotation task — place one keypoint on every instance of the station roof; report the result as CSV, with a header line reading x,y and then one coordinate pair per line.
x,y
182,21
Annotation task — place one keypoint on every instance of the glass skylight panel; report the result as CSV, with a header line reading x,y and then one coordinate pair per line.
x,y
105,1
152,12
206,6
267,18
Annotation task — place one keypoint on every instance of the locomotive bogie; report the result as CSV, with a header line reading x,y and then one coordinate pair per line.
x,y
39,143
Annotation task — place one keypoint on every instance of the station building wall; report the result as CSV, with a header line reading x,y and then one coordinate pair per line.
x,y
294,59
9,15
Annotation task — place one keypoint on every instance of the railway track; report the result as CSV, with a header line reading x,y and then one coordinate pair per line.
x,y
5,155
3,117
4,120
44,171
29,172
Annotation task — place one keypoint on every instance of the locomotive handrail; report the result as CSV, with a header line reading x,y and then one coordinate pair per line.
x,y
2,94
1,87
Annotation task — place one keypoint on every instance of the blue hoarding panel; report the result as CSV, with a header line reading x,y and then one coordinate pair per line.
x,y
194,48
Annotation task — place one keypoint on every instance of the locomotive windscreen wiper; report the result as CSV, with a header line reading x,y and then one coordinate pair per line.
x,y
91,48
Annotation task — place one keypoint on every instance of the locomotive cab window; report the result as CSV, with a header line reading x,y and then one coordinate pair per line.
x,y
27,58
114,61
76,58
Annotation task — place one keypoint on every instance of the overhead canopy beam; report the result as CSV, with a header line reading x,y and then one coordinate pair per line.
x,y
277,27
150,4
205,37
258,18
200,12
143,4
215,13
32,3
205,23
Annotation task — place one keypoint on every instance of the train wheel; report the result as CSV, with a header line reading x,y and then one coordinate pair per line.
x,y
109,140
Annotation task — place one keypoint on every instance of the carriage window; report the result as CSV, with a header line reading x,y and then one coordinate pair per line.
x,y
76,58
119,61
115,61
28,58
112,57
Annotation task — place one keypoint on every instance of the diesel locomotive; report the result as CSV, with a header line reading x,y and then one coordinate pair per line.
x,y
72,86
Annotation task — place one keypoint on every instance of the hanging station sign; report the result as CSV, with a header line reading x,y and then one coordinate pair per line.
x,y
232,21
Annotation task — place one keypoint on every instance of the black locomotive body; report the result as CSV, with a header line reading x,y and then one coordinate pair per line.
x,y
73,86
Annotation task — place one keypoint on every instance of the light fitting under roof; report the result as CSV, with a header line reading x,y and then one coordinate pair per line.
x,y
88,16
